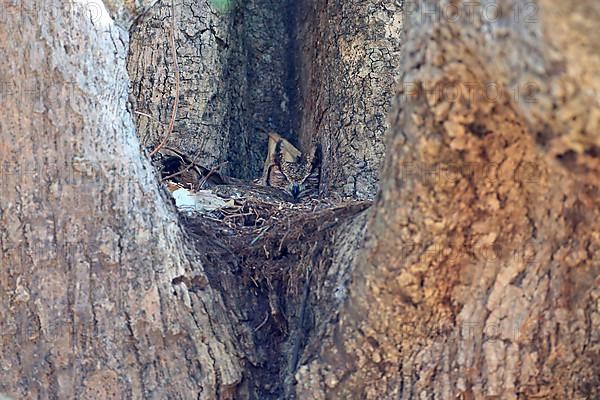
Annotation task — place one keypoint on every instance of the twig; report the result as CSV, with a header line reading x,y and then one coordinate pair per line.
x,y
212,171
176,102
256,239
190,165
212,219
284,237
236,215
262,323
145,138
148,116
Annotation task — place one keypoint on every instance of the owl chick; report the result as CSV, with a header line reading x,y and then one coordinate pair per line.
x,y
295,173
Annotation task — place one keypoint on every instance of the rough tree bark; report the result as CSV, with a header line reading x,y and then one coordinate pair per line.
x,y
237,76
90,246
474,274
349,53
480,269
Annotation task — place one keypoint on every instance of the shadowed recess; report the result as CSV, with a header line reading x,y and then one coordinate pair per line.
x,y
222,5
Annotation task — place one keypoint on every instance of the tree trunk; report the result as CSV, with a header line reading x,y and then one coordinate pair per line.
x,y
474,274
348,67
237,77
479,274
90,247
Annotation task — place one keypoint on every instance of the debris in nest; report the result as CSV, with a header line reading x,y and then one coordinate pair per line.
x,y
270,244
251,224
199,189
198,201
261,227
261,236
241,206
175,167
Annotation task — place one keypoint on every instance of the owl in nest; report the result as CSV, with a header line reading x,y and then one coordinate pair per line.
x,y
289,169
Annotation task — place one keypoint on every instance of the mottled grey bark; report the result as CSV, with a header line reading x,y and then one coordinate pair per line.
x,y
329,80
348,67
237,75
89,244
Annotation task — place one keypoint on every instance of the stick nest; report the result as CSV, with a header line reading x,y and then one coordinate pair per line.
x,y
264,234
